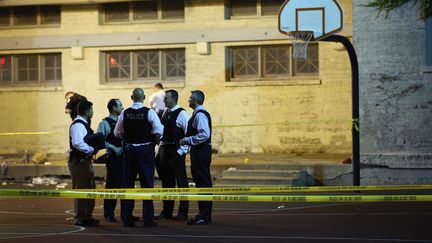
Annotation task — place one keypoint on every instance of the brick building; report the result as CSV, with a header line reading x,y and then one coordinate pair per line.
x,y
261,99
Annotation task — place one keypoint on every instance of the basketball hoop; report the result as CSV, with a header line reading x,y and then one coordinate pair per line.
x,y
300,42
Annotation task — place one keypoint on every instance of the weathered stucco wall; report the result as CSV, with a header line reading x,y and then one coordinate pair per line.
x,y
274,116
395,90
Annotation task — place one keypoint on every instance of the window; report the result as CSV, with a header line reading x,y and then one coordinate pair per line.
x,y
30,69
270,62
26,15
30,15
50,14
145,65
271,7
140,11
239,8
243,7
4,16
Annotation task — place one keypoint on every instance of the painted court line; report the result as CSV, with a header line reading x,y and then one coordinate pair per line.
x,y
252,237
38,234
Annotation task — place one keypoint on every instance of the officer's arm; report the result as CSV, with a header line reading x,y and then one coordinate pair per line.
x,y
118,130
182,121
202,125
157,127
78,132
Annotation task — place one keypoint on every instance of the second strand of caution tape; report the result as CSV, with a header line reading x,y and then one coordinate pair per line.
x,y
226,198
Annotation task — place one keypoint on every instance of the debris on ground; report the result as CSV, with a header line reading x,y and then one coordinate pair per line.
x,y
26,157
192,184
44,181
4,168
39,157
61,185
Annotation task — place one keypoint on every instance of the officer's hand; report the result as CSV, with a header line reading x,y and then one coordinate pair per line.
x,y
118,151
183,141
94,152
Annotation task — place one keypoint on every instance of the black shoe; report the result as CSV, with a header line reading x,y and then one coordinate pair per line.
x,y
149,224
111,219
162,216
87,223
135,218
129,224
197,221
93,222
181,217
81,223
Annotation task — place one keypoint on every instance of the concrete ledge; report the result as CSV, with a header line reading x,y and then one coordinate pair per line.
x,y
22,172
398,160
387,176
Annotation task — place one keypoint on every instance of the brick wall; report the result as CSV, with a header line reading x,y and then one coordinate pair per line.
x,y
275,117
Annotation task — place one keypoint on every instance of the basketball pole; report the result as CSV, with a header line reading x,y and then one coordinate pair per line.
x,y
355,103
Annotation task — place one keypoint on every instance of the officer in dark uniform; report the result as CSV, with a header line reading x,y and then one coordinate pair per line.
x,y
171,164
199,138
80,163
140,129
114,159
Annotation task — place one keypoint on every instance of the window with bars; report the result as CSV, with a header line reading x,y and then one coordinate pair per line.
x,y
270,62
139,11
145,65
239,8
30,15
30,69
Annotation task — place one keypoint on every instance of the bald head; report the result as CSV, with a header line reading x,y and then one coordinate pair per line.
x,y
138,95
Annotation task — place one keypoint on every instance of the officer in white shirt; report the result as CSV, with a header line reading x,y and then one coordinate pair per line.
x,y
199,138
157,100
80,163
171,164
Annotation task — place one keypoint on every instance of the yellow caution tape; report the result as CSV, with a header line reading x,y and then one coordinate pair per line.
x,y
285,123
25,133
226,198
236,190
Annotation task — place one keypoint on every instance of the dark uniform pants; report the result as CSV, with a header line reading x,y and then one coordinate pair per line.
x,y
139,160
114,168
200,168
171,169
81,170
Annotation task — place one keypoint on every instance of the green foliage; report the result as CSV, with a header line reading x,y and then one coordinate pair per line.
x,y
389,5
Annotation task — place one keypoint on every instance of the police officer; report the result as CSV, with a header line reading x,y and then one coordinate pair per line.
x,y
140,128
80,163
171,164
199,138
114,160
72,101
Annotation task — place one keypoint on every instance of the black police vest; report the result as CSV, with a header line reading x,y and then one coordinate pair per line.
x,y
110,137
136,126
89,132
192,131
172,133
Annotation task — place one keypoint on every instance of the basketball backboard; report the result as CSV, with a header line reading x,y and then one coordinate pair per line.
x,y
322,17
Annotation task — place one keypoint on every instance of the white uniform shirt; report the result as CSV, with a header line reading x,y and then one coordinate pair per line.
x,y
153,119
77,133
201,123
156,101
182,122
